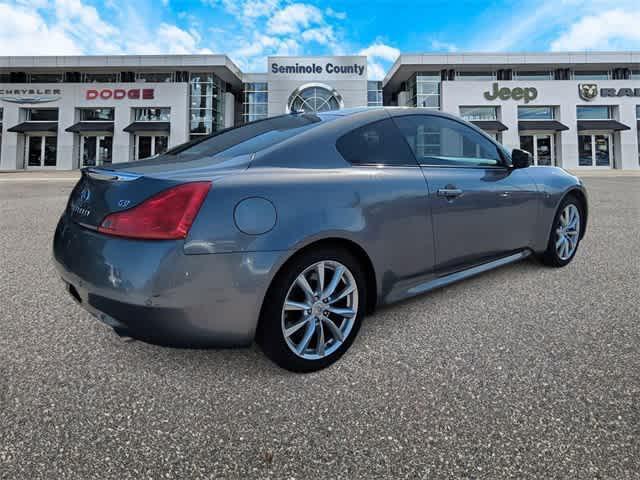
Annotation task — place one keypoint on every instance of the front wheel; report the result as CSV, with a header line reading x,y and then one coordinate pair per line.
x,y
313,310
565,233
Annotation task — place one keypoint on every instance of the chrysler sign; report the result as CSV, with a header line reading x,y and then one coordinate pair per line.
x,y
30,95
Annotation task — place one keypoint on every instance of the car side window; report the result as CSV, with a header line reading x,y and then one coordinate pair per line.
x,y
442,141
377,143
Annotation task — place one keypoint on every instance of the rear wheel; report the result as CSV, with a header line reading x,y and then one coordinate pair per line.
x,y
565,233
313,310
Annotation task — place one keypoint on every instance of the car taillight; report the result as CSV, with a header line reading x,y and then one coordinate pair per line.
x,y
165,216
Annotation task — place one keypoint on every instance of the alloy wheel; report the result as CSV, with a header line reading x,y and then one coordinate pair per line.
x,y
567,232
319,310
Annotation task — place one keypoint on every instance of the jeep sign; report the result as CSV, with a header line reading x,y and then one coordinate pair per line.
x,y
517,93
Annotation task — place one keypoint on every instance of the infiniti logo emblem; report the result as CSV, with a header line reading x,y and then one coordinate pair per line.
x,y
85,195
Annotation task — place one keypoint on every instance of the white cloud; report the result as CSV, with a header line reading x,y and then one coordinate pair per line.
x,y
332,13
25,32
321,35
293,18
379,57
439,46
260,8
71,27
83,20
380,50
175,40
613,29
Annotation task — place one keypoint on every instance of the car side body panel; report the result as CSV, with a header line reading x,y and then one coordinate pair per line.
x,y
554,184
385,211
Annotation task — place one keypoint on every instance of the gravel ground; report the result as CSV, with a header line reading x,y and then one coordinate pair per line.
x,y
522,372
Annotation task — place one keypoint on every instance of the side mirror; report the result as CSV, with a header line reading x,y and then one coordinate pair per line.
x,y
521,158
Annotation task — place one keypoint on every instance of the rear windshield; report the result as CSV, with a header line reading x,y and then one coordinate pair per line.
x,y
248,138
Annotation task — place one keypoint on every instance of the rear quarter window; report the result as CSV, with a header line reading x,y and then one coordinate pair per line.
x,y
377,143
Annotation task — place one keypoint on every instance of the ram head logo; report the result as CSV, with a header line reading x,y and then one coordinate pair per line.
x,y
588,91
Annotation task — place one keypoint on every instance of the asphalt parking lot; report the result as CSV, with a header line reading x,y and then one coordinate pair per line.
x,y
524,372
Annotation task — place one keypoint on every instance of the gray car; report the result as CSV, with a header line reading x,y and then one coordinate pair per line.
x,y
289,230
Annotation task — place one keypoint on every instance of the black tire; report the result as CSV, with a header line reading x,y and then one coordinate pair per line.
x,y
270,334
550,257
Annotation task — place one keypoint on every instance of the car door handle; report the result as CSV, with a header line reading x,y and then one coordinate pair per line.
x,y
505,194
449,192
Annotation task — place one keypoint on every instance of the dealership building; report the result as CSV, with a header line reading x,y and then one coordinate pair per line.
x,y
573,110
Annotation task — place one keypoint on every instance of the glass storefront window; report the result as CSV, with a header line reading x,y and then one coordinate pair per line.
x,y
152,114
314,99
479,113
374,93
96,114
41,150
591,75
34,151
255,101
154,77
46,77
96,150
534,75
255,109
637,116
424,90
256,97
42,114
595,150
594,112
149,145
541,148
603,150
206,103
536,113
475,75
102,77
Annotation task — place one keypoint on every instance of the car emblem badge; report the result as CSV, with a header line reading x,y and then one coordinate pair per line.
x,y
588,91
85,195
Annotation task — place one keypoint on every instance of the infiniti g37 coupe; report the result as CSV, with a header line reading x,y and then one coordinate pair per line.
x,y
289,230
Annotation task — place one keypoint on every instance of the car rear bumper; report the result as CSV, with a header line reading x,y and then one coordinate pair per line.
x,y
152,291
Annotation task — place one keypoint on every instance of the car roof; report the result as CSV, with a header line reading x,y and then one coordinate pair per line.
x,y
392,111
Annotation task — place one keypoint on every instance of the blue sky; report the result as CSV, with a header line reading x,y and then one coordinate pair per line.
x,y
249,31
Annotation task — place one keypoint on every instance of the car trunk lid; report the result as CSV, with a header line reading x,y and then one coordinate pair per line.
x,y
105,190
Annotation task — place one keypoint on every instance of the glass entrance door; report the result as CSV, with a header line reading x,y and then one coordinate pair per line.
x,y
41,151
96,150
595,150
540,146
149,145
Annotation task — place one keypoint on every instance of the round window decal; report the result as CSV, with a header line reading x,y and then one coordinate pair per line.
x,y
314,97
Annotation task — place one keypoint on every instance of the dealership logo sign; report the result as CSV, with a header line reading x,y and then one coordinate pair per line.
x,y
517,93
316,69
30,95
120,94
589,91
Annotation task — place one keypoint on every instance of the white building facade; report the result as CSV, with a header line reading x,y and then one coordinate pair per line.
x,y
573,110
